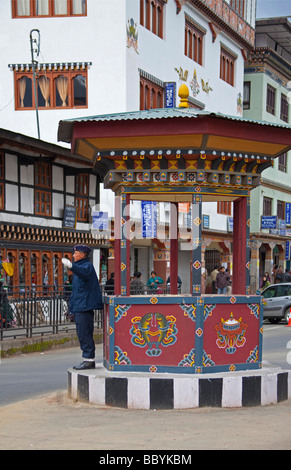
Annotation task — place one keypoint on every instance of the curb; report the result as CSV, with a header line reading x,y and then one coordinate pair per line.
x,y
67,339
166,391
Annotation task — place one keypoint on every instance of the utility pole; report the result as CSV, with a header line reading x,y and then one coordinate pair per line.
x,y
34,62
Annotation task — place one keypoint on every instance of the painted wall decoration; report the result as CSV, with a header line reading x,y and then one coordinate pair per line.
x,y
183,334
183,74
194,84
205,86
132,34
239,104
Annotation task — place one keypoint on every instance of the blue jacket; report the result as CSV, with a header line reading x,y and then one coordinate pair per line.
x,y
86,292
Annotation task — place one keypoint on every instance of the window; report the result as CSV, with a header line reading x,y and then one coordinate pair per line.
x,y
247,95
227,62
284,108
42,198
151,94
224,207
1,181
55,89
267,206
36,8
193,42
238,6
281,210
271,96
151,16
42,203
82,194
282,162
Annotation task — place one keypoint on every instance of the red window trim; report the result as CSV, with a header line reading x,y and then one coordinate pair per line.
x,y
152,16
193,42
51,10
52,76
227,65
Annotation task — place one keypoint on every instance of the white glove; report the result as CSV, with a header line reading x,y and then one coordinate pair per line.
x,y
66,262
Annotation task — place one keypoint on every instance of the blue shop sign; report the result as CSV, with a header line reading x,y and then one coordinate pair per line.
x,y
269,221
170,94
149,210
287,250
100,220
288,213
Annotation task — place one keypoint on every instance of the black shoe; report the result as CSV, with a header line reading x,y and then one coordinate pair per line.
x,y
85,365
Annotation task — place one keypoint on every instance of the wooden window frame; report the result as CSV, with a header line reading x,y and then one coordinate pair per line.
x,y
271,100
224,207
267,206
42,169
284,111
282,162
82,196
42,188
238,6
227,66
152,16
47,203
51,10
193,42
51,76
281,210
247,99
151,95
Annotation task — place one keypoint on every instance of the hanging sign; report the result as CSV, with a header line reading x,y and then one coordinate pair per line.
x,y
288,213
269,221
70,217
149,210
170,94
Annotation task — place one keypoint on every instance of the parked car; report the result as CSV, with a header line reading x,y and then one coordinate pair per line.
x,y
277,302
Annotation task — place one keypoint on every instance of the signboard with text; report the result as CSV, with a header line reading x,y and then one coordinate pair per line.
x,y
149,210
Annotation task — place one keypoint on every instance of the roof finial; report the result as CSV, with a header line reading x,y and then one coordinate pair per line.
x,y
183,94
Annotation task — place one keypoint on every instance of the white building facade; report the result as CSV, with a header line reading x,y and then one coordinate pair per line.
x,y
99,57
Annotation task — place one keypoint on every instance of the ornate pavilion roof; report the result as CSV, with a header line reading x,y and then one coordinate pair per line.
x,y
177,147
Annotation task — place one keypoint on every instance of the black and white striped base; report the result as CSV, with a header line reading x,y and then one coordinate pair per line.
x,y
170,391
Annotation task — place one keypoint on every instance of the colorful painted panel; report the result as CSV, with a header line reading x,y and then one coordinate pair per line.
x,y
231,334
183,334
154,335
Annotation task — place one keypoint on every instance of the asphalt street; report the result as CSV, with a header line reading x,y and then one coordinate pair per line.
x,y
49,420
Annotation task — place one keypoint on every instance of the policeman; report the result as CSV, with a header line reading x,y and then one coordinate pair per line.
x,y
86,297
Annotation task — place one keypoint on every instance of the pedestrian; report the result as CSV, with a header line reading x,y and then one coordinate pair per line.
x,y
286,276
213,275
179,284
279,275
222,280
265,282
86,297
154,281
109,286
137,285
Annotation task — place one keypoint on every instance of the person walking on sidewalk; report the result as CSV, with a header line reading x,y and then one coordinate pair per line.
x,y
86,297
222,280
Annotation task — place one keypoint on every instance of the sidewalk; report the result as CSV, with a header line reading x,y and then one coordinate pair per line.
x,y
54,422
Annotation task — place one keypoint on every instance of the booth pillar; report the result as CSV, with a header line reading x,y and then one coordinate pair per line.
x,y
196,243
122,245
241,246
174,248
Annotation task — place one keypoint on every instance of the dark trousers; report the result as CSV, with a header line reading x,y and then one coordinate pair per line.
x,y
85,327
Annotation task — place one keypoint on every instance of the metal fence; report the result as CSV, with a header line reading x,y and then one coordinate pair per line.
x,y
40,310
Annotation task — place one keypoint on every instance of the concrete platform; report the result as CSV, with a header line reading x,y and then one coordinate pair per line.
x,y
145,391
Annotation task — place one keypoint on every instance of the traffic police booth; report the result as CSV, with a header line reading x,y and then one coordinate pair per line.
x,y
180,155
